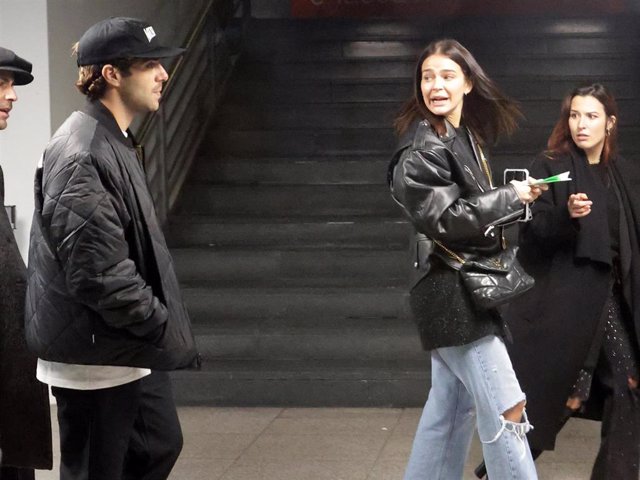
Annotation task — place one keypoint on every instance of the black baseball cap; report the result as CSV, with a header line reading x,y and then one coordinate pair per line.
x,y
21,69
121,37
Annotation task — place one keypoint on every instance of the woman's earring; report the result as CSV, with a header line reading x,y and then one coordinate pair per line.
x,y
608,131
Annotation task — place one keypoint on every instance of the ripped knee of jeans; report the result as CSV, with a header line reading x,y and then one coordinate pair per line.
x,y
519,429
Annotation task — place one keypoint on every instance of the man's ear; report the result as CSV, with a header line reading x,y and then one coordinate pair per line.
x,y
111,75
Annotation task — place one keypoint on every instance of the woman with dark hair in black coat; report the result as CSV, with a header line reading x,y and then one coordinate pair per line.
x,y
576,334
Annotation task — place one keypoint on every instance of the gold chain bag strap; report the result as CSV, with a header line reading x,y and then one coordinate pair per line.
x,y
492,280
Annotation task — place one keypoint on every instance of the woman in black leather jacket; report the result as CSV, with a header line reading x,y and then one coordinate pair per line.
x,y
442,180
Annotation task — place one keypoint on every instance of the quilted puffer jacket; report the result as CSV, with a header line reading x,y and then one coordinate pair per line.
x,y
101,284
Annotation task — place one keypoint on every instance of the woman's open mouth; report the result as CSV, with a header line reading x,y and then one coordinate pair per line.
x,y
439,100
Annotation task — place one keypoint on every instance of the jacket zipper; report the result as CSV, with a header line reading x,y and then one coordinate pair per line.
x,y
466,167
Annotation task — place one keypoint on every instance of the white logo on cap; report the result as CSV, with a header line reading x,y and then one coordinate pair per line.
x,y
149,33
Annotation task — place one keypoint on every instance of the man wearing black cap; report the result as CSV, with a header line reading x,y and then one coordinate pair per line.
x,y
104,310
25,426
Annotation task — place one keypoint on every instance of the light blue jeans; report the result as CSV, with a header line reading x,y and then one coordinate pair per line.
x,y
472,385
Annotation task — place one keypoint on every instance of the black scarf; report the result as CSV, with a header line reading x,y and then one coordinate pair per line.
x,y
593,241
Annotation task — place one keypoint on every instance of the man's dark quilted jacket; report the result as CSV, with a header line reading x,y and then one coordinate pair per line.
x,y
101,285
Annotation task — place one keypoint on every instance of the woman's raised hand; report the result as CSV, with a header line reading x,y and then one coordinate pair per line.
x,y
579,205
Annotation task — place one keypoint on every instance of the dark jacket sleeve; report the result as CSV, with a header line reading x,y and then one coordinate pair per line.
x,y
437,205
87,225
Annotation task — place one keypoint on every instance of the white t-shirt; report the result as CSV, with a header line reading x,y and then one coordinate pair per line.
x,y
86,377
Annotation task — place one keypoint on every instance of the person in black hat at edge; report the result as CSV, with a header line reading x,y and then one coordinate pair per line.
x,y
104,311
25,426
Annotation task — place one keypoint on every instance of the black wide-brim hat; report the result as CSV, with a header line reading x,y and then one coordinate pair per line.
x,y
21,69
121,37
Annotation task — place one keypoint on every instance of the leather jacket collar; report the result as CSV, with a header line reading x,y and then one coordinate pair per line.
x,y
479,172
450,136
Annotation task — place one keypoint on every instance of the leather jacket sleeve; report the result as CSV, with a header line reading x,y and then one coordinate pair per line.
x,y
442,205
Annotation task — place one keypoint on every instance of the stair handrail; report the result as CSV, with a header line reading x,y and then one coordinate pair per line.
x,y
174,132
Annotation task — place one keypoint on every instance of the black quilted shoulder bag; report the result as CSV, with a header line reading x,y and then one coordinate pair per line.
x,y
492,280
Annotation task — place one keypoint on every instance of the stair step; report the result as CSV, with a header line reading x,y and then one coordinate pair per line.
x,y
290,73
352,169
193,230
326,383
397,90
293,268
376,141
270,30
482,29
371,115
335,170
360,141
247,91
226,307
309,115
297,142
496,65
287,49
290,338
333,201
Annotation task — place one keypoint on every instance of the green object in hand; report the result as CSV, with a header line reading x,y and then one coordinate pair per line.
x,y
561,177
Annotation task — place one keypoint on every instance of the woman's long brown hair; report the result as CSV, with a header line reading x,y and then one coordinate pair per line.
x,y
560,141
486,111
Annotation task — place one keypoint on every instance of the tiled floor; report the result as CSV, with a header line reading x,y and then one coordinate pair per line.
x,y
331,444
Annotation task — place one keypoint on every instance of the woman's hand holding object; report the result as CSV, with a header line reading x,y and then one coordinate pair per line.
x,y
526,192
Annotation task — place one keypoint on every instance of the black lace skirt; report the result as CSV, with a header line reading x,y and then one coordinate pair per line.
x,y
616,347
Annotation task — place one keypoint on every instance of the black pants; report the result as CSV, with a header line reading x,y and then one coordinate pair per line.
x,y
121,433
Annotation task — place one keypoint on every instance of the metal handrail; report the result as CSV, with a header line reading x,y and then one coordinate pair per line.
x,y
197,79
176,67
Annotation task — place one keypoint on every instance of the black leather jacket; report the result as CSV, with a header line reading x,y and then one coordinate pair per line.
x,y
101,285
448,197
442,186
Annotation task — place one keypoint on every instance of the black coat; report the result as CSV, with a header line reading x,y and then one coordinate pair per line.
x,y
555,325
448,197
101,284
25,426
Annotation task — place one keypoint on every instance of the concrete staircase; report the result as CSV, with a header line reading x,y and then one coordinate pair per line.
x,y
291,254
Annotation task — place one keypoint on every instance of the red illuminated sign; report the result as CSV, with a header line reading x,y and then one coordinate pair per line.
x,y
410,8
